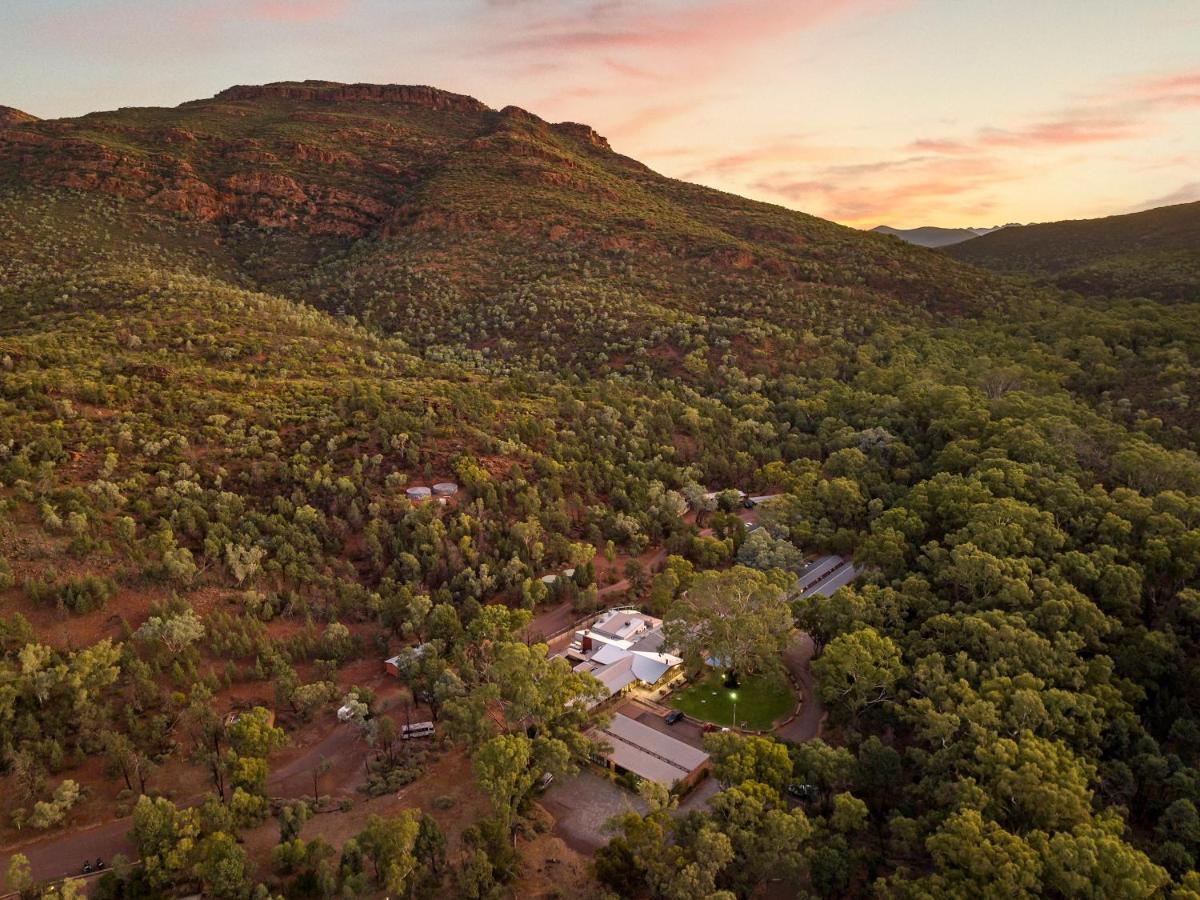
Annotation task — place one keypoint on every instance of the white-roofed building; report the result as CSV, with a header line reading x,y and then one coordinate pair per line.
x,y
650,754
622,648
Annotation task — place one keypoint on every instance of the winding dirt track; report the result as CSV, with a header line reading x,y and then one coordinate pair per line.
x,y
58,855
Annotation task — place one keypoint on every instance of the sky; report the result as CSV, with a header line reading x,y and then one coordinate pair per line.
x,y
901,112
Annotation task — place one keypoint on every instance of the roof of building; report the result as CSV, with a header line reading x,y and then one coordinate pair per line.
x,y
554,576
625,623
616,676
609,653
621,647
649,667
649,753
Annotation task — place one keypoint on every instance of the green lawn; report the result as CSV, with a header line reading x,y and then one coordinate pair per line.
x,y
761,700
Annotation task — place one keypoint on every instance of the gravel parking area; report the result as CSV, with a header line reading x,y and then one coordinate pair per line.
x,y
582,804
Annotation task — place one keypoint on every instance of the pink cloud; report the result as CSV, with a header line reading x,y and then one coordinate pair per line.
x,y
650,117
643,63
899,189
781,151
1062,132
1122,111
848,202
1185,83
281,12
722,26
296,10
927,145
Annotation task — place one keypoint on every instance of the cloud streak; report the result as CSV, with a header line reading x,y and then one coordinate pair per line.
x,y
723,25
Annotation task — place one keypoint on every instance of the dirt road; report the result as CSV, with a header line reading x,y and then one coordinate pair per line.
x,y
58,855
807,725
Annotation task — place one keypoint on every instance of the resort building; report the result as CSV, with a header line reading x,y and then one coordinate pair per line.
x,y
648,753
622,649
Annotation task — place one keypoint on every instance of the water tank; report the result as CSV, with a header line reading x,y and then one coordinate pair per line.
x,y
417,494
445,489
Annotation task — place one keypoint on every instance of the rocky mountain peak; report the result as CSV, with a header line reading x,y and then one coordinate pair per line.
x,y
332,91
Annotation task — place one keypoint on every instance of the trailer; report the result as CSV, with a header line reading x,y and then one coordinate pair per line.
x,y
416,730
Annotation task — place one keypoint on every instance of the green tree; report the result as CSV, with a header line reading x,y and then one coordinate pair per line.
x,y
737,616
166,838
222,867
859,670
19,877
503,768
389,844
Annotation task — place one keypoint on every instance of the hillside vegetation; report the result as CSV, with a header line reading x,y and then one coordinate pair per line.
x,y
1154,254
232,334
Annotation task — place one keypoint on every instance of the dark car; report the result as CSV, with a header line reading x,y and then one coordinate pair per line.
x,y
803,791
674,716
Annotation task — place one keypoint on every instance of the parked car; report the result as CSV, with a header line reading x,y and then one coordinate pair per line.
x,y
802,791
673,716
545,781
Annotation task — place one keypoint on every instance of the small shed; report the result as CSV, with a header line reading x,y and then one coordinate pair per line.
x,y
552,578
236,714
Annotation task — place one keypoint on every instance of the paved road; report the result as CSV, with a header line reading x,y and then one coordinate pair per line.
x,y
807,725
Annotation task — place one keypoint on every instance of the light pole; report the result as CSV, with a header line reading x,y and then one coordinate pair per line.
x,y
734,696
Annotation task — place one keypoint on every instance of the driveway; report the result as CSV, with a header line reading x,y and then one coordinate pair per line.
x,y
798,660
58,855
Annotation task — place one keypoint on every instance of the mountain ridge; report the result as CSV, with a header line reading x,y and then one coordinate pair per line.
x,y
1153,253
934,236
429,213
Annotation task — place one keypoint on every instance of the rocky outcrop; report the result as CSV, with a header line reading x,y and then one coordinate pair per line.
x,y
331,91
347,170
584,133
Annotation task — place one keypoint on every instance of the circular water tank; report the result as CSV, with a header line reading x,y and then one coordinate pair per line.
x,y
417,493
445,489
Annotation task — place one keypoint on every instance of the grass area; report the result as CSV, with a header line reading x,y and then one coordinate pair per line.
x,y
760,700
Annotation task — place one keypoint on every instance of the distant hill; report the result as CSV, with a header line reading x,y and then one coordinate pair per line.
x,y
930,236
10,116
1153,254
427,214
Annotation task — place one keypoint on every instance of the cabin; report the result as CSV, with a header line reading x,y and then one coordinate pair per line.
x,y
397,666
552,578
